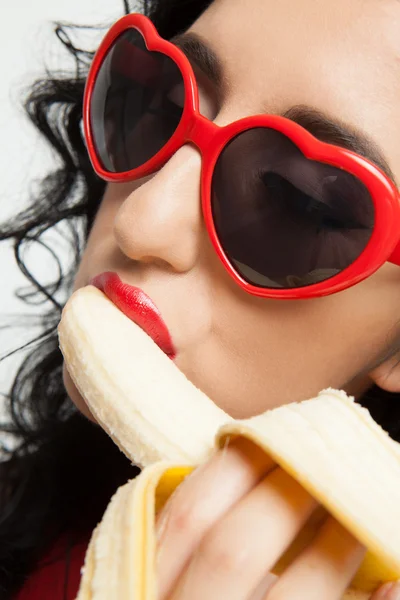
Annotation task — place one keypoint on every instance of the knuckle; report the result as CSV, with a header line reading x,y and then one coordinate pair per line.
x,y
187,517
220,555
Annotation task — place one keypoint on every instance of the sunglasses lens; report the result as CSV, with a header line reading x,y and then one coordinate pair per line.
x,y
136,105
285,221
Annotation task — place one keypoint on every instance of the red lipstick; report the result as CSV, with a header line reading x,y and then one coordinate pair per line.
x,y
138,307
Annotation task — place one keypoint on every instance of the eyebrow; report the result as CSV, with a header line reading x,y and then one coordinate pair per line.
x,y
325,128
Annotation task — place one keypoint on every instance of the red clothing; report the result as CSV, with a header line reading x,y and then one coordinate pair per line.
x,y
57,575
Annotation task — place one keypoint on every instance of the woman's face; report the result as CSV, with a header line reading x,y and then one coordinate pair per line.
x,y
251,354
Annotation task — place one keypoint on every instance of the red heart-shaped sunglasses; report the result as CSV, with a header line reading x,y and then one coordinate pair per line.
x,y
289,216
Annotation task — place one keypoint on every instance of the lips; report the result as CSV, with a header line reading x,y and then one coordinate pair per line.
x,y
138,307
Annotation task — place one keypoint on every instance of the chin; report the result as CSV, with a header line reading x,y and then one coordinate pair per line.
x,y
75,396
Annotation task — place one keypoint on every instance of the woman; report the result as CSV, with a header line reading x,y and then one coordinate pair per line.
x,y
319,65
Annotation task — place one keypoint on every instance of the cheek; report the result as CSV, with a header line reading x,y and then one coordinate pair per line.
x,y
369,311
265,354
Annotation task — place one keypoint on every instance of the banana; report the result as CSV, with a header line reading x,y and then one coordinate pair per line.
x,y
163,423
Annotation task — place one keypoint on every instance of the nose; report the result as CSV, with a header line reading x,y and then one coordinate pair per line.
x,y
161,221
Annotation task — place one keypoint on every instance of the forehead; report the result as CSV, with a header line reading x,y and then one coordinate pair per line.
x,y
341,57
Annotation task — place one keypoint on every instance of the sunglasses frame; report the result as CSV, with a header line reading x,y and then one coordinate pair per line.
x,y
211,139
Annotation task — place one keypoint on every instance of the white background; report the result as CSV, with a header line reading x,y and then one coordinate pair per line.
x,y
27,45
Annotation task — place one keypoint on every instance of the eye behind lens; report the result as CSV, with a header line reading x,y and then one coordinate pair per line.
x,y
137,103
284,220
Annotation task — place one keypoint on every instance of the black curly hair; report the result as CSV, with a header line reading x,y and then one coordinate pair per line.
x,y
64,469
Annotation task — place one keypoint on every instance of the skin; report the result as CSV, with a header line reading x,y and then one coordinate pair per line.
x,y
239,349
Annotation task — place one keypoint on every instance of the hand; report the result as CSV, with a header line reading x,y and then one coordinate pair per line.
x,y
229,522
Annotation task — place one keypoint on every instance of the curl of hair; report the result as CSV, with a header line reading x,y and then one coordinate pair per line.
x,y
63,470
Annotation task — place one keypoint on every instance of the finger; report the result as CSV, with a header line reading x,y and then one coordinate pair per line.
x,y
262,589
237,552
388,591
201,500
324,569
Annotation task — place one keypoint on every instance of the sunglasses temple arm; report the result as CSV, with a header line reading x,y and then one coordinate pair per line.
x,y
394,258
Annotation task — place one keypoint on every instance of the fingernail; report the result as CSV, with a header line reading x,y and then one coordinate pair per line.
x,y
394,592
382,593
